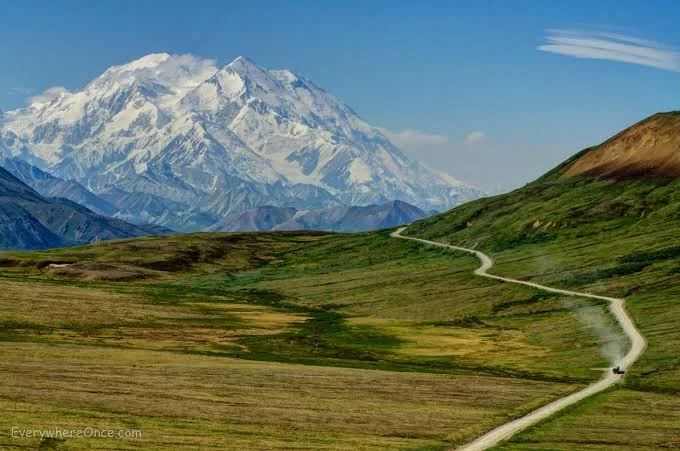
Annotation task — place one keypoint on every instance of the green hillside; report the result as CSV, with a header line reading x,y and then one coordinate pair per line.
x,y
620,237
608,235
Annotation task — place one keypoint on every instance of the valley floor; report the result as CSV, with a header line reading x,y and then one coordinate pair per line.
x,y
200,402
278,341
618,419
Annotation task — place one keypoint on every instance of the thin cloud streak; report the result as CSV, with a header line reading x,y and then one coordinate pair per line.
x,y
48,95
476,137
410,138
612,47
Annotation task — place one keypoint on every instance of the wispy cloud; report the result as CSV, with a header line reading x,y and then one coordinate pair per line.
x,y
611,46
414,139
48,95
476,137
419,142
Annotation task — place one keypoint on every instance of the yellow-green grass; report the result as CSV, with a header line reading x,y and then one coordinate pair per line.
x,y
424,296
200,402
55,313
645,415
617,419
368,300
402,346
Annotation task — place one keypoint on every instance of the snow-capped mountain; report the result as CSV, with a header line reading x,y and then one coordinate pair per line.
x,y
215,141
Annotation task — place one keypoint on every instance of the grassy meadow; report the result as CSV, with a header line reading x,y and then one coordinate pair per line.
x,y
640,266
200,402
616,419
279,340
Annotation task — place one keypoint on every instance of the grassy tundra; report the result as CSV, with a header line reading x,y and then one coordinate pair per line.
x,y
615,237
278,341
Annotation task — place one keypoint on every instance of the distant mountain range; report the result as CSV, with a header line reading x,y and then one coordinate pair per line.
x,y
31,221
49,186
338,219
175,141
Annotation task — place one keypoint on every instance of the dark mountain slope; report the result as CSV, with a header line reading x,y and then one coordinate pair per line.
x,y
31,221
257,219
50,186
19,229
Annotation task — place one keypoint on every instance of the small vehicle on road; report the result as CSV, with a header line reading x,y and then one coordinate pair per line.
x,y
617,370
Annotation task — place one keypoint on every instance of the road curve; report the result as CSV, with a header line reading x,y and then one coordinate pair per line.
x,y
616,307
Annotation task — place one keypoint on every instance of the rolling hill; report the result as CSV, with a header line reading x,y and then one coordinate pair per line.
x,y
623,183
605,221
649,149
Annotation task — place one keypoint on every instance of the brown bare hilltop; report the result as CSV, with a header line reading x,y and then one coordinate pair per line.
x,y
649,148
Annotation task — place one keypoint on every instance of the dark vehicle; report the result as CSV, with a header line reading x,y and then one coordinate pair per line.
x,y
618,370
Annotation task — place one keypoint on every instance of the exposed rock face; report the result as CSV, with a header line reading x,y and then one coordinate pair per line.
x,y
650,148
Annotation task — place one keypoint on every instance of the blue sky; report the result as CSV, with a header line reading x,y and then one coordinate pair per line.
x,y
461,86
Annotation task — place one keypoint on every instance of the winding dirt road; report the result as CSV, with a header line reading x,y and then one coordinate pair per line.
x,y
616,307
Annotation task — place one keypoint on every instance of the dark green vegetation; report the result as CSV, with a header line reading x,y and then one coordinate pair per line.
x,y
615,237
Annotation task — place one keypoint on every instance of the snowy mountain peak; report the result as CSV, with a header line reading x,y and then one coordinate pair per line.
x,y
170,73
246,67
176,127
253,77
285,76
145,62
243,60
